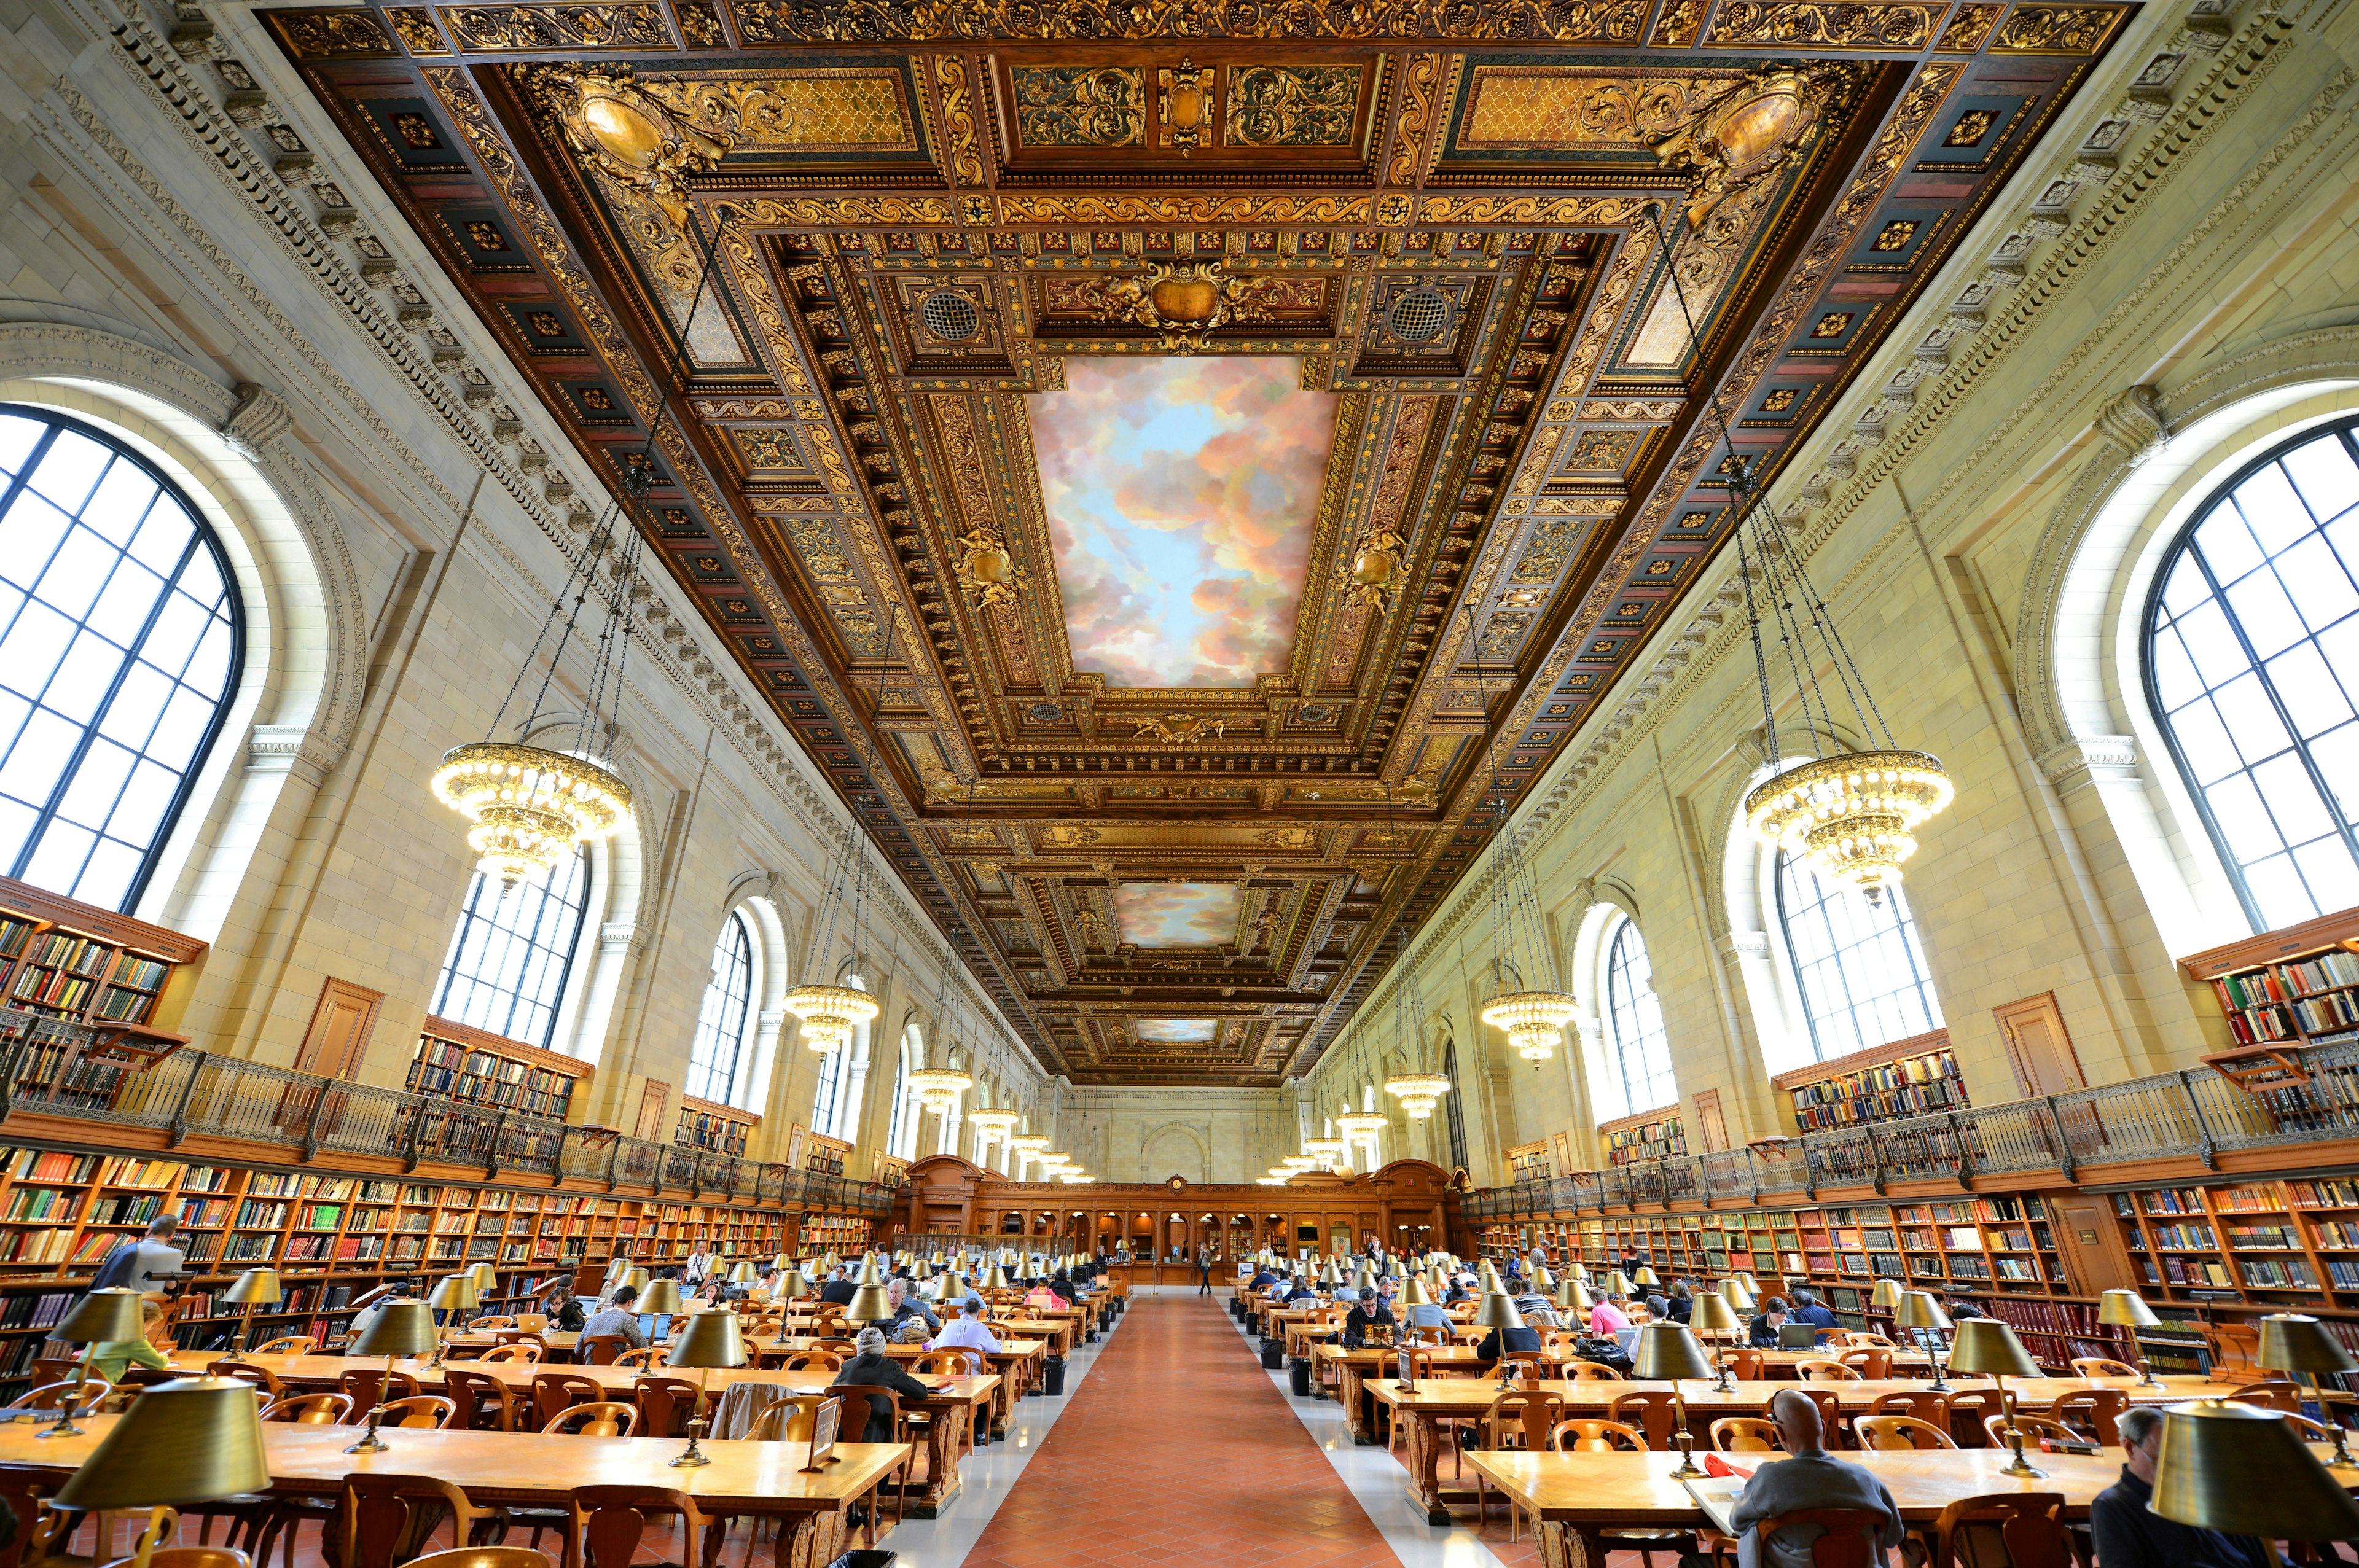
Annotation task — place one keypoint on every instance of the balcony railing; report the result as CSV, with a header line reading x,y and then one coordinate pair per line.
x,y
2171,1115
44,1068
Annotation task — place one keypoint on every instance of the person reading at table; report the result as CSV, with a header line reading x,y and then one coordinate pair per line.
x,y
1426,1315
1761,1334
616,1317
870,1365
838,1289
911,1323
2130,1535
1607,1319
1808,1477
963,1328
1500,1341
1807,1310
1374,1311
109,1359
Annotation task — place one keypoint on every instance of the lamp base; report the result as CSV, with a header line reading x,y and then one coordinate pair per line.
x,y
1688,1469
2023,1467
368,1444
62,1428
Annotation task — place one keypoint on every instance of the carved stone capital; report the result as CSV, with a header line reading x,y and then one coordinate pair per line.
x,y
1735,946
259,418
2087,760
292,749
2133,420
617,936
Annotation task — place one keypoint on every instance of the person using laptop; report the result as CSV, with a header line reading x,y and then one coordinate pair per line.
x,y
619,1316
1761,1333
1807,1310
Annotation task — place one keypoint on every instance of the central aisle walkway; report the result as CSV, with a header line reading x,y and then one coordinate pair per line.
x,y
1177,1449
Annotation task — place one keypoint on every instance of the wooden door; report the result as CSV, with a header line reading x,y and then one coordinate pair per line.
x,y
2091,1240
1712,1127
652,1097
341,1022
2037,1046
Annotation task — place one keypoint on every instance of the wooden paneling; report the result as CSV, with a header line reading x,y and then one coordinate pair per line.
x,y
652,1097
341,1022
2037,1046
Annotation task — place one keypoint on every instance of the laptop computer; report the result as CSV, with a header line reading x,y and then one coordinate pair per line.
x,y
1798,1336
656,1325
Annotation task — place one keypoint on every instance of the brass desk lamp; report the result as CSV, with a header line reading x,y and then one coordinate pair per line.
x,y
1987,1345
400,1328
1712,1314
2293,1342
1917,1309
100,1317
1668,1351
2242,1470
255,1287
710,1339
192,1439
2127,1309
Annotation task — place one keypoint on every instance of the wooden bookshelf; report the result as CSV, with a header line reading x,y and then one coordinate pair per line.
x,y
78,962
475,1067
1649,1135
825,1156
1529,1164
713,1127
2299,985
1909,1077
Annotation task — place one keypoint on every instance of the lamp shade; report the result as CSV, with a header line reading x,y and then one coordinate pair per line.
x,y
869,1304
1733,1291
636,1278
1886,1295
996,1279
744,1273
254,1287
1617,1283
1414,1293
455,1293
1712,1314
188,1440
2293,1342
486,1278
99,1317
1987,1345
1917,1309
1498,1310
1574,1296
2127,1309
2237,1469
1644,1276
709,1339
1668,1350
870,1274
661,1296
399,1328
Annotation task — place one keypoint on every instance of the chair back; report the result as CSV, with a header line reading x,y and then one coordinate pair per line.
x,y
285,1345
1654,1411
1580,1436
601,1418
955,1362
2274,1393
653,1355
521,1335
835,1347
310,1409
246,1373
1521,1419
868,1393
386,1519
515,1352
1745,1363
1872,1362
189,1557
2312,1431
484,1557
369,1386
1919,1402
1895,1431
419,1410
1530,1364
2034,1429
2095,1410
814,1361
484,1403
2003,1530
1825,1371
50,1396
1855,1337
1847,1537
788,1420
600,1349
1830,1405
1591,1372
609,1522
1746,1434
2102,1366
554,1392
1970,1409
666,1404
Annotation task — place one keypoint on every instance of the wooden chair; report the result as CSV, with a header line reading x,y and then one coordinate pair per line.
x,y
191,1557
600,1349
1516,1419
1590,1436
483,1557
2035,1429
1821,1371
835,1347
371,1385
2102,1366
609,1522
646,1360
1886,1432
386,1519
2002,1529
1530,1364
1970,1413
51,1396
1919,1402
604,1418
1656,1412
310,1409
520,1337
2274,1393
814,1361
484,1403
857,1398
1745,1363
285,1345
2095,1410
2312,1431
1746,1434
1591,1372
955,1362
1855,1338
788,1420
553,1393
666,1405
1852,1538
419,1410
1872,1363
514,1354
246,1372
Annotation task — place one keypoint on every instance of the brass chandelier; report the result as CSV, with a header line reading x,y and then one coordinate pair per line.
x,y
1851,816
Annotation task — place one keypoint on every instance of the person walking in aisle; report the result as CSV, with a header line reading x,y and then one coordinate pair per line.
x,y
1204,1268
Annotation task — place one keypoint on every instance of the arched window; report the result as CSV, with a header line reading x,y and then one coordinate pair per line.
x,y
835,1103
510,957
901,1137
720,1046
1858,965
2252,639
1642,1049
120,641
1454,1118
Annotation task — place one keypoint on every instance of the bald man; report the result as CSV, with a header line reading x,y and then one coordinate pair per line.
x,y
1807,1477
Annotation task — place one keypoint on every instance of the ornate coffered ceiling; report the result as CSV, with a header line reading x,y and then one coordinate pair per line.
x,y
1323,361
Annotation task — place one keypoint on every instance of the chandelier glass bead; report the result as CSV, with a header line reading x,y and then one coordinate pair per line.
x,y
830,1014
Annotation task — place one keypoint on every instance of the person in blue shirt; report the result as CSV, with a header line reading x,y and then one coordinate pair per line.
x,y
1263,1279
2130,1534
1807,1310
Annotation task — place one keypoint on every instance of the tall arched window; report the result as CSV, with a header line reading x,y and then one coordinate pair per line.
x,y
120,641
901,1137
1860,970
719,1050
1642,1049
510,957
2253,667
1454,1119
835,1103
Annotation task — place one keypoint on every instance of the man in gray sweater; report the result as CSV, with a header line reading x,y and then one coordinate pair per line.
x,y
1807,1477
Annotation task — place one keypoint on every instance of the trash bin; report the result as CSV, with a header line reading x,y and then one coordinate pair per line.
x,y
1052,1375
1298,1371
1273,1355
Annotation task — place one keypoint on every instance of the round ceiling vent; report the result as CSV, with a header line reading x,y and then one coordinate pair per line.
x,y
1419,315
950,316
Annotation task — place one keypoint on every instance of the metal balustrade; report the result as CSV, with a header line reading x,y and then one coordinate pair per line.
x,y
44,1068
2193,1112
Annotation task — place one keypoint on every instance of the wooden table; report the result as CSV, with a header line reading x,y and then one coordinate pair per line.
x,y
1354,1370
1435,1400
952,1404
505,1468
1783,1363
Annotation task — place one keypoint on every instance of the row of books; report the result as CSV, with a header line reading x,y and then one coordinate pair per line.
x,y
2265,1026
2329,970
54,1246
2265,1238
49,1165
52,987
2280,1273
131,1171
2335,1010
2185,1238
36,1312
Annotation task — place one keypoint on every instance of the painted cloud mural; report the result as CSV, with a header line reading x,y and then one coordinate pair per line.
x,y
1181,495
1176,914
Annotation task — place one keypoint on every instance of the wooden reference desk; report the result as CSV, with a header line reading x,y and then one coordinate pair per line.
x,y
953,1405
503,1467
1435,1400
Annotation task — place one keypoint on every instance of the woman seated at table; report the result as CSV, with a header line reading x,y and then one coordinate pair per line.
x,y
110,1359
1044,1294
870,1365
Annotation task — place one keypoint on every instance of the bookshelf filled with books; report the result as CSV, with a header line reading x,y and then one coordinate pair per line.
x,y
1909,1077
60,959
1649,1135
715,1127
2296,985
475,1067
